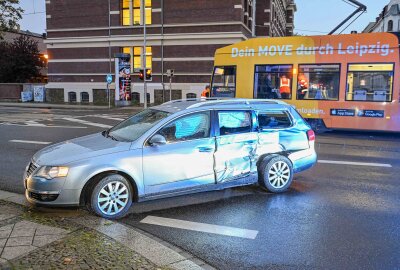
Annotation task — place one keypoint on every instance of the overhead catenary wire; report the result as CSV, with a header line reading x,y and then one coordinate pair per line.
x,y
352,21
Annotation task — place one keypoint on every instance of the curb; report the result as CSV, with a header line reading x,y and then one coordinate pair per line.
x,y
152,248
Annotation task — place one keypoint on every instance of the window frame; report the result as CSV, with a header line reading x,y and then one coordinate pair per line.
x,y
131,10
210,135
340,73
139,56
285,111
217,127
368,63
213,76
265,65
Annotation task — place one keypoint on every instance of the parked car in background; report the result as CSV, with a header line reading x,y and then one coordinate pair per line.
x,y
179,147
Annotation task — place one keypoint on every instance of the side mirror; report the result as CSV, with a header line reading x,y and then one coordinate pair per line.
x,y
157,140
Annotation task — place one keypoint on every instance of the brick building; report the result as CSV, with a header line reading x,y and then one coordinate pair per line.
x,y
83,36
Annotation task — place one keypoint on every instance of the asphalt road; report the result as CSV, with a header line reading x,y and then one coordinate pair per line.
x,y
335,216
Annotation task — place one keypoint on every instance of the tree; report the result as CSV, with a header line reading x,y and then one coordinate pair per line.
x,y
9,15
20,60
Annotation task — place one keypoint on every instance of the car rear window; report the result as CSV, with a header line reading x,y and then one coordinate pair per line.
x,y
274,120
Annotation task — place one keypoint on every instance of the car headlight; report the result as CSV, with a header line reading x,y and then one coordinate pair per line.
x,y
50,172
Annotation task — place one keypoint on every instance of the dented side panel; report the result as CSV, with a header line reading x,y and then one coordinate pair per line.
x,y
235,156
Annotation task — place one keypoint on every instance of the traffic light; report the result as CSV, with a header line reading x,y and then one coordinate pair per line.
x,y
148,74
141,74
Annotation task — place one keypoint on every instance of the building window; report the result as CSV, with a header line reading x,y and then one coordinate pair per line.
x,y
318,82
370,82
84,97
136,56
273,81
135,98
131,12
71,97
191,95
390,26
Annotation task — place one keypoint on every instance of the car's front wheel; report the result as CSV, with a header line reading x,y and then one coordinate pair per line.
x,y
111,197
276,173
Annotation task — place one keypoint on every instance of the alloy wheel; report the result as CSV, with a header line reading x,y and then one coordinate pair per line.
x,y
113,198
279,174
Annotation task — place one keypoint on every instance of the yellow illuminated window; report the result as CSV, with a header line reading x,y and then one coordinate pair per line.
x,y
134,6
136,58
370,82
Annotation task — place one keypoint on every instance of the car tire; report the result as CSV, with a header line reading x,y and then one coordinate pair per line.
x,y
111,197
276,173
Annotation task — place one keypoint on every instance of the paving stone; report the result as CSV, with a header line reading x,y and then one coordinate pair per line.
x,y
138,242
47,230
84,249
18,199
185,265
6,216
5,233
43,240
10,253
20,232
19,241
3,242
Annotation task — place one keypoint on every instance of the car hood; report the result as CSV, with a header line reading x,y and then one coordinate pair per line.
x,y
79,148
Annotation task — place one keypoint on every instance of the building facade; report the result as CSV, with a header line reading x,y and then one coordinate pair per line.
x,y
84,36
388,20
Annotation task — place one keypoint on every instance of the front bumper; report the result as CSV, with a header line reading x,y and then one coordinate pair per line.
x,y
41,191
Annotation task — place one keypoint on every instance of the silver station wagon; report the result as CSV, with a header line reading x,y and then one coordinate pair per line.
x,y
179,147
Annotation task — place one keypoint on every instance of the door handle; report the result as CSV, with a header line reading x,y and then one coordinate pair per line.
x,y
249,142
205,149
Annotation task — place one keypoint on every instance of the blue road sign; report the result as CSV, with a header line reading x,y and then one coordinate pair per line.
x,y
109,78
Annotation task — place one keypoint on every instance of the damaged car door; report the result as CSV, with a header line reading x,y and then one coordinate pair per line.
x,y
236,141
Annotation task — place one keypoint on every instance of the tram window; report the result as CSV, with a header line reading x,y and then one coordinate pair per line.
x,y
224,82
273,81
370,82
318,82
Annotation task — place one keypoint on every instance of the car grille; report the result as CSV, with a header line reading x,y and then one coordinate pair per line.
x,y
43,197
32,167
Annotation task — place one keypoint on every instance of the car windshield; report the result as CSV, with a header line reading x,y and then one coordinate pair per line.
x,y
136,125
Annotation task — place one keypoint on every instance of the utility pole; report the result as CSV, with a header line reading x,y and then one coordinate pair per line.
x,y
144,53
253,21
361,7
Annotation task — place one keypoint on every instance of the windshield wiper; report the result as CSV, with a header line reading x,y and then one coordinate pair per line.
x,y
106,133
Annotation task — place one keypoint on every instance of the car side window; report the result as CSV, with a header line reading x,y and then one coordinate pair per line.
x,y
234,122
189,127
274,120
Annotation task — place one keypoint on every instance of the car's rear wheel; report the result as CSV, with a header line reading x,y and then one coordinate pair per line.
x,y
276,173
111,197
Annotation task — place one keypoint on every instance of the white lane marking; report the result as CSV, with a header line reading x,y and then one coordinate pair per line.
x,y
108,117
200,227
34,123
355,163
86,122
45,126
31,142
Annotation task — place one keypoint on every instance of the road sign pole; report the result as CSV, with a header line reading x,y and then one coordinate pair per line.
x,y
109,96
170,88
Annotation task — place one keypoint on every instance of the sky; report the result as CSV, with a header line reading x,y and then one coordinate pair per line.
x,y
319,17
313,17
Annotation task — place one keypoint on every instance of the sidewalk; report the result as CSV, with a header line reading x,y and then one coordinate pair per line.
x,y
62,106
34,238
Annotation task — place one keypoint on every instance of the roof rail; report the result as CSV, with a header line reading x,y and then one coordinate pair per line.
x,y
194,99
237,101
